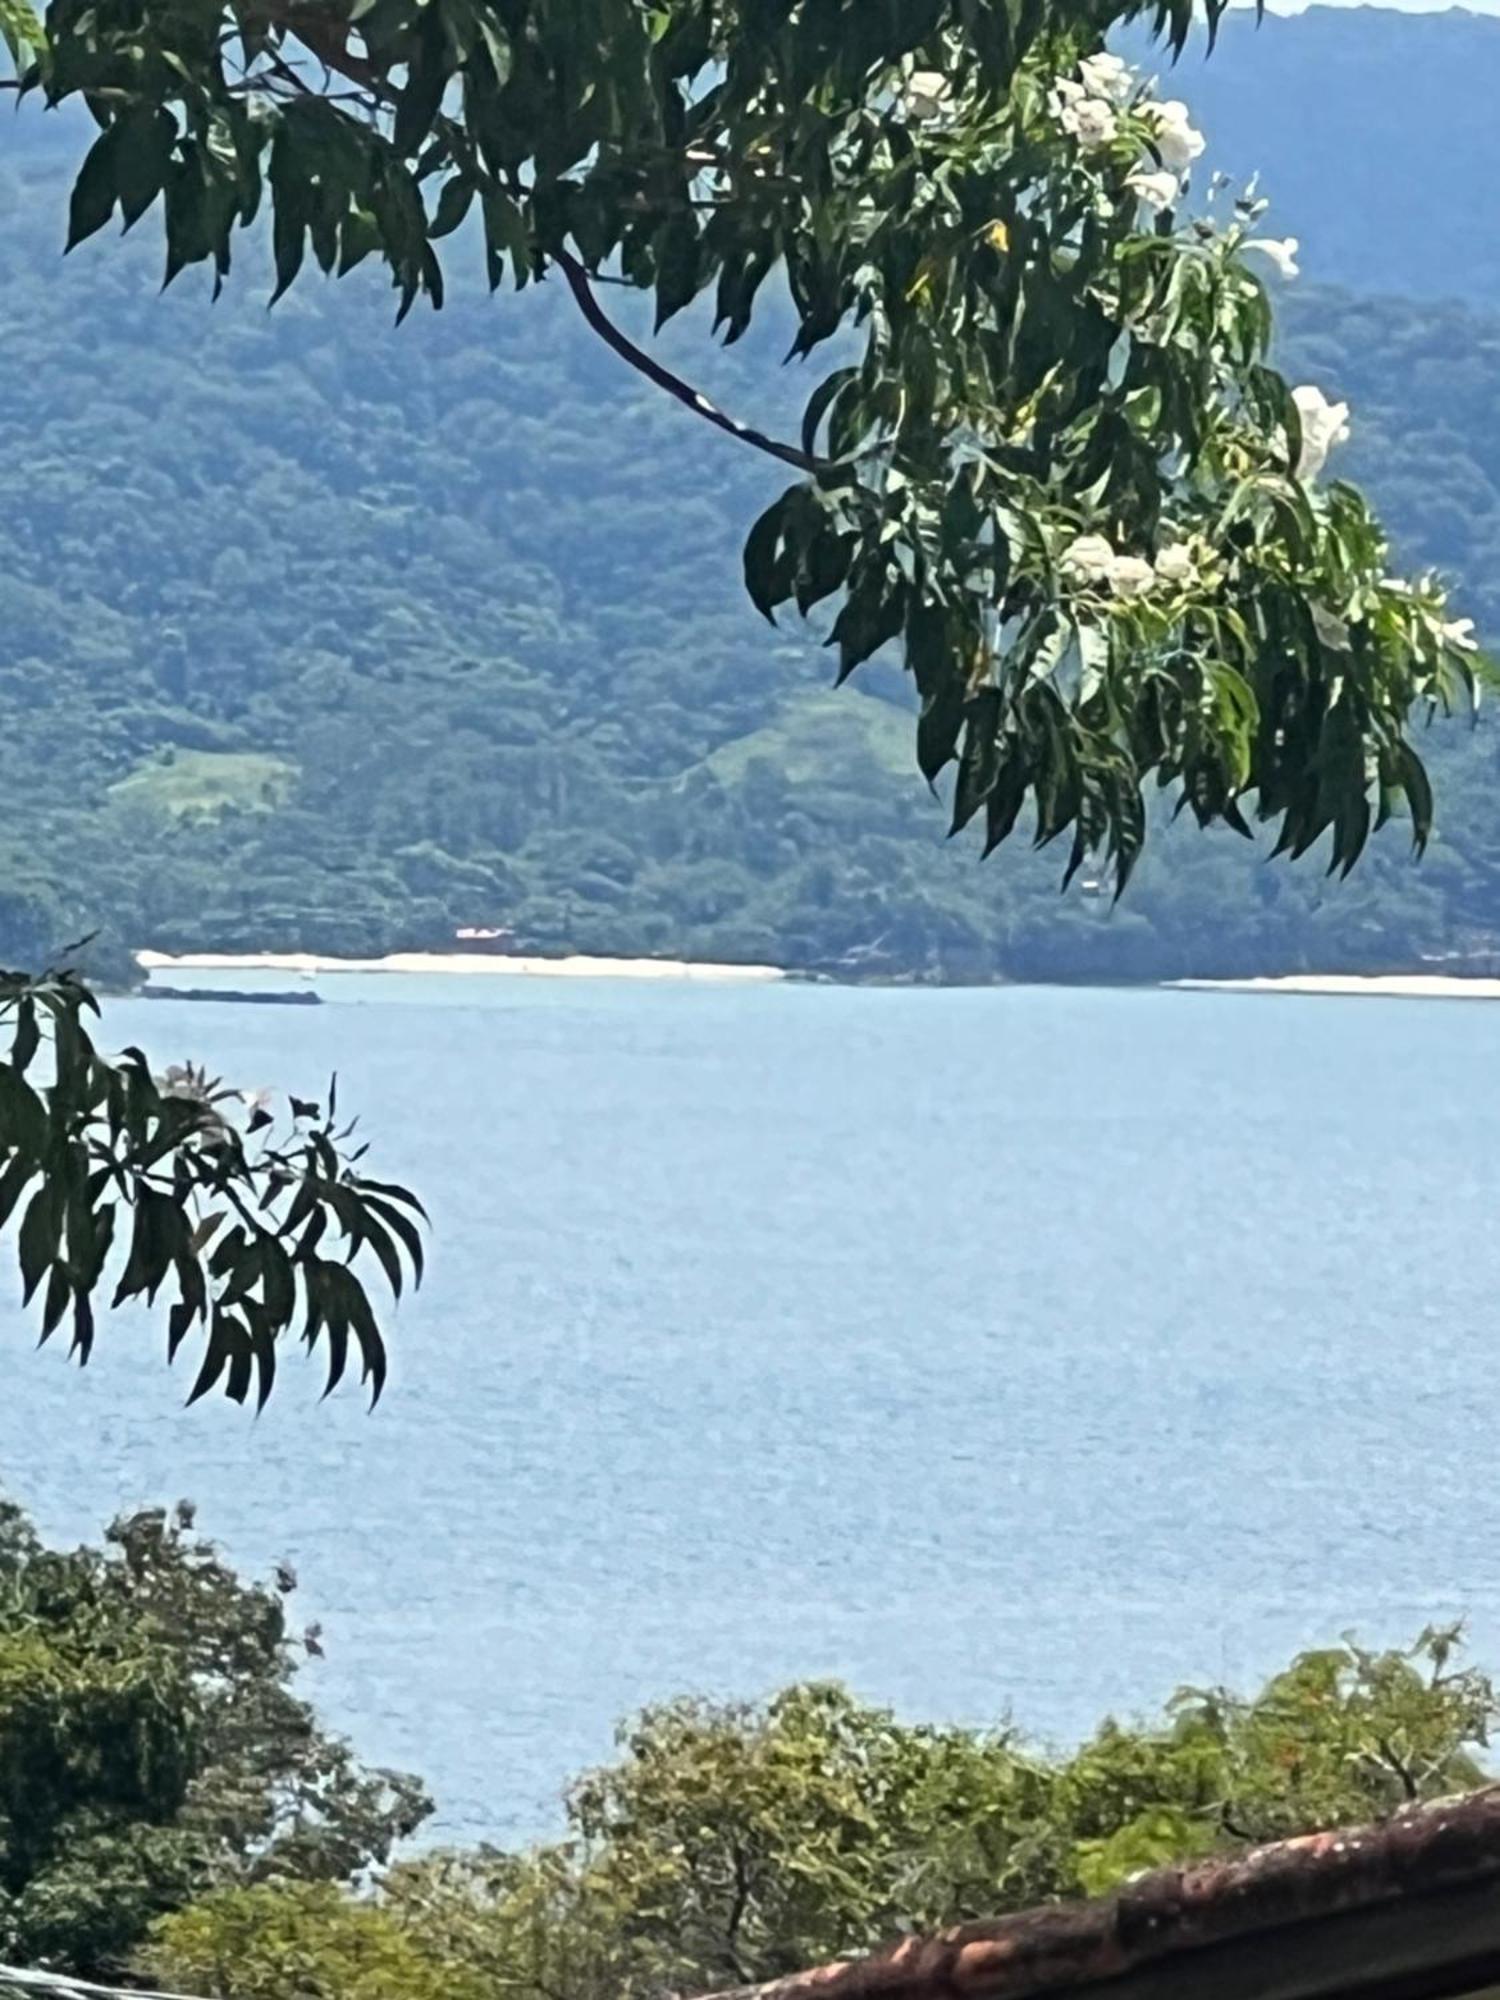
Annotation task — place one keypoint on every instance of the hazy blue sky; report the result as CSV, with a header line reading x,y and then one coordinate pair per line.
x,y
1404,6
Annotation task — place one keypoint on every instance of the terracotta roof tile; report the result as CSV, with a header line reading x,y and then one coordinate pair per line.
x,y
1410,1905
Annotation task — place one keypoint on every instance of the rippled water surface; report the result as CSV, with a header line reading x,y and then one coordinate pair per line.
x,y
1008,1350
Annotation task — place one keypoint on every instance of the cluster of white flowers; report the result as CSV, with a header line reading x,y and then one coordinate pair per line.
x,y
1177,140
1108,76
1087,106
1090,120
1178,143
1324,425
1094,560
1089,558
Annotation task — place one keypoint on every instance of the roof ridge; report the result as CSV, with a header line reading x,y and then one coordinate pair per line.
x,y
1421,1850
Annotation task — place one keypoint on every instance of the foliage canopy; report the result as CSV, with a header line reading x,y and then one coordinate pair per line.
x,y
729,1844
1061,472
227,1211
474,523
152,1747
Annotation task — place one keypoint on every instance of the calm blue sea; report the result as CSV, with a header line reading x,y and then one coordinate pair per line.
x,y
1000,1352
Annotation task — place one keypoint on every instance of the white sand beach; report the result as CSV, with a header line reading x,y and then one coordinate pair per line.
x,y
478,964
1388,986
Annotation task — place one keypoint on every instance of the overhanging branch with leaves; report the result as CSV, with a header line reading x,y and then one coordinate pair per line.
x,y
1071,488
250,1224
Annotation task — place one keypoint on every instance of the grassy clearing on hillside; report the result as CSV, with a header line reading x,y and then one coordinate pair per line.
x,y
207,781
819,729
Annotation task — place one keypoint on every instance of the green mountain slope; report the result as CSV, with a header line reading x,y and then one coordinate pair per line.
x,y
316,633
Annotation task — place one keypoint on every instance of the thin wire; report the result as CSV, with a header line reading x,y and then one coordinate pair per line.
x,y
65,1987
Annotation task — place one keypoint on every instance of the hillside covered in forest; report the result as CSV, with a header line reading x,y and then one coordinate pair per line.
x,y
319,633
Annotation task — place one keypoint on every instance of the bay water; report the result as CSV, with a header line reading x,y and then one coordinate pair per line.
x,y
1010,1352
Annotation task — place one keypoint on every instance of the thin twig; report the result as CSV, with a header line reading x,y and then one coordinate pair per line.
x,y
737,1911
582,289
1397,1764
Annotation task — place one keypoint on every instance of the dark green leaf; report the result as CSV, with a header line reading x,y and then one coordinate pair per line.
x,y
96,189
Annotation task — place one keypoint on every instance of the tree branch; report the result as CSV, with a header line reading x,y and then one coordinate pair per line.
x,y
582,289
1398,1765
737,1910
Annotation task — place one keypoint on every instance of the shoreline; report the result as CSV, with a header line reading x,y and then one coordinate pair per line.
x,y
310,965
304,964
1360,985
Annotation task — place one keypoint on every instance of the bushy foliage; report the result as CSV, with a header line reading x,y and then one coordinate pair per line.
x,y
153,1747
202,1191
274,1939
729,1844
